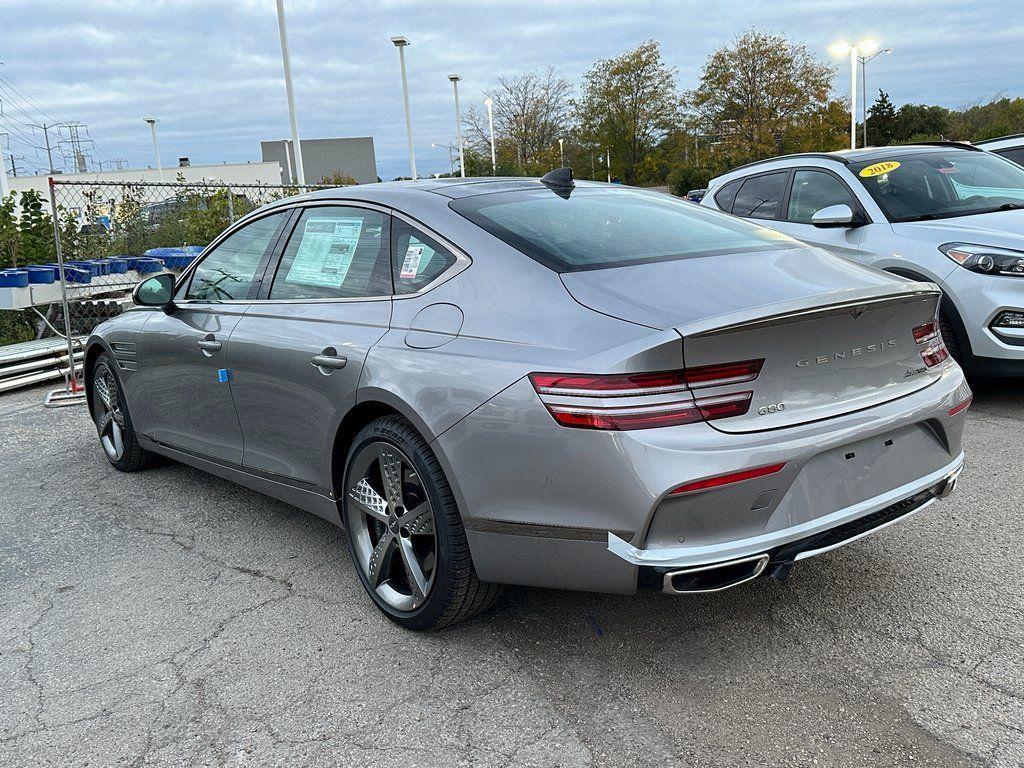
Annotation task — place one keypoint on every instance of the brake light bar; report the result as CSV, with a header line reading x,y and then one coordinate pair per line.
x,y
728,479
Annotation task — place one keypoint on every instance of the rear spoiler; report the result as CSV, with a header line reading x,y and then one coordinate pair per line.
x,y
837,303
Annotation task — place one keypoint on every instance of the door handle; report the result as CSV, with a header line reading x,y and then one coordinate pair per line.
x,y
329,360
209,345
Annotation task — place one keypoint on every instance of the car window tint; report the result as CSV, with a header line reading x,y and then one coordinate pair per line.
x,y
416,258
334,252
228,272
814,190
759,196
1016,154
726,195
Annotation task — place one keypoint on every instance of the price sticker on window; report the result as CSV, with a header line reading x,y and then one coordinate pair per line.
x,y
879,169
411,265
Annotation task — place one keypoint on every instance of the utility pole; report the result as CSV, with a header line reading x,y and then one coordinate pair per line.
x,y
290,93
400,42
46,139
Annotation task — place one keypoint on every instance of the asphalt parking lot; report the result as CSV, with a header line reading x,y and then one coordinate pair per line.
x,y
171,618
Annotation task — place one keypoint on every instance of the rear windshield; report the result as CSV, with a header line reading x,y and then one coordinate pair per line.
x,y
597,228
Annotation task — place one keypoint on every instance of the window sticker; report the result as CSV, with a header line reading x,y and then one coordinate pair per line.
x,y
325,251
879,169
411,265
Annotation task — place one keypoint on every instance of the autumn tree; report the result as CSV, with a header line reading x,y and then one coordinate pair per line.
x,y
531,113
756,92
628,105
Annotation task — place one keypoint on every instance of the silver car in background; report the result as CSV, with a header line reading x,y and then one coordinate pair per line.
x,y
540,382
942,212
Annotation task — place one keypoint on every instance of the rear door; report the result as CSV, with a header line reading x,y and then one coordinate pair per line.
x,y
298,353
183,354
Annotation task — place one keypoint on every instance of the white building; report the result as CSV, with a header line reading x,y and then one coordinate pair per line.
x,y
219,173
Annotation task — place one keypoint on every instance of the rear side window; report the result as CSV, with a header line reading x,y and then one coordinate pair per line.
x,y
335,252
814,190
760,196
598,228
726,195
417,259
1016,154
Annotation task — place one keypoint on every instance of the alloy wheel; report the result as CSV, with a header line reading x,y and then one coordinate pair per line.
x,y
391,522
108,415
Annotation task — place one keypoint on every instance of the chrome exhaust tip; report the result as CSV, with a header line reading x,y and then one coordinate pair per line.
x,y
948,484
714,577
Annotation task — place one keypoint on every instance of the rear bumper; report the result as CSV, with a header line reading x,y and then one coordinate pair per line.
x,y
810,537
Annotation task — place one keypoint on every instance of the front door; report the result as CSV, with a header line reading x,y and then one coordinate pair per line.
x,y
298,352
183,354
810,191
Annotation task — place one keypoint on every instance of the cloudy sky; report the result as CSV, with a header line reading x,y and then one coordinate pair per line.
x,y
211,69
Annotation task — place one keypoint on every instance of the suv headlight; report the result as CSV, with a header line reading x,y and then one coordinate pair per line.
x,y
988,260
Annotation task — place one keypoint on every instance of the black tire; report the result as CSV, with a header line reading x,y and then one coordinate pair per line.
x,y
132,457
950,338
456,594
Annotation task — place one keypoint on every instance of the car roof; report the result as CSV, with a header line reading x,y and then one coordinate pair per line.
x,y
453,188
867,154
1001,142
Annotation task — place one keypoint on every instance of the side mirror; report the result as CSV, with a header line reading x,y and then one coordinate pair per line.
x,y
835,216
156,291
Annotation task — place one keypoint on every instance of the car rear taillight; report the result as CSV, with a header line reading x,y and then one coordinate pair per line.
x,y
934,351
569,396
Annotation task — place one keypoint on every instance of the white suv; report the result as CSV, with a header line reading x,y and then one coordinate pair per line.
x,y
949,213
1010,147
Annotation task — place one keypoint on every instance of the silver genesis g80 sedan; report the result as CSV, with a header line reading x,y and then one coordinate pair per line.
x,y
541,382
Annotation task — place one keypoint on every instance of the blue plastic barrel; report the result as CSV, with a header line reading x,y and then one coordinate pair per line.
x,y
14,278
41,275
77,274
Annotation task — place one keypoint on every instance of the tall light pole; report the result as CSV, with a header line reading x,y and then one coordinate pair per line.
x,y
489,103
458,124
156,150
400,43
608,164
864,88
866,48
290,92
451,154
561,153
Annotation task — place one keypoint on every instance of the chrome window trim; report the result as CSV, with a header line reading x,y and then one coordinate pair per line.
x,y
462,259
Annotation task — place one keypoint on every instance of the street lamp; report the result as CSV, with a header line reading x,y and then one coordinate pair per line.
x,y
855,50
400,43
451,154
864,88
458,124
290,94
561,153
489,103
156,150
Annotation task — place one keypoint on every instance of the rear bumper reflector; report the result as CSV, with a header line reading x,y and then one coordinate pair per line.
x,y
732,477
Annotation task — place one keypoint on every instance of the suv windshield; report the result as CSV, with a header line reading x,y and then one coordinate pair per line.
x,y
942,184
598,227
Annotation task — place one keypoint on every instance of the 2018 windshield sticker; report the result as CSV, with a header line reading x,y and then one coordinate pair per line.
x,y
879,169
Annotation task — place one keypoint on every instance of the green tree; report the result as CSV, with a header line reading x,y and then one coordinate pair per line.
x,y
921,122
881,121
628,105
35,230
10,238
756,94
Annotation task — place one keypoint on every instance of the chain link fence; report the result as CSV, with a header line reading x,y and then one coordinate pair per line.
x,y
107,236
